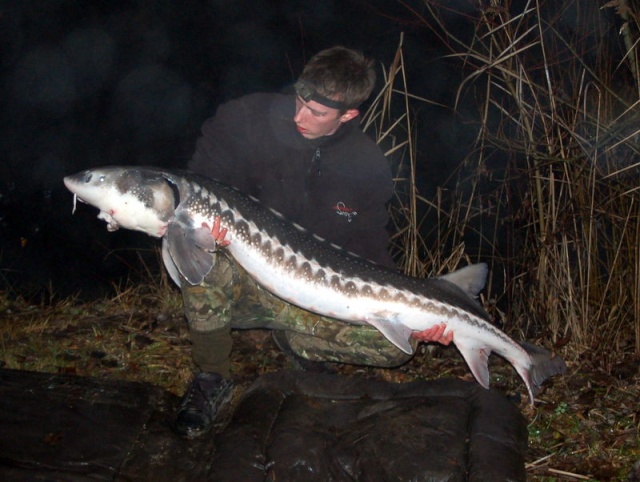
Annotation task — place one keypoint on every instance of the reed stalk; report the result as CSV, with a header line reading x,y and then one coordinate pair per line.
x,y
559,219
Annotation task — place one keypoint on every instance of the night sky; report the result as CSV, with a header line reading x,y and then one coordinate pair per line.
x,y
94,83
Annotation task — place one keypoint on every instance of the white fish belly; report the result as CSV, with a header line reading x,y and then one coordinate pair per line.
x,y
320,297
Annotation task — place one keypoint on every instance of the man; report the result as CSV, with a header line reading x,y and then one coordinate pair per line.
x,y
305,156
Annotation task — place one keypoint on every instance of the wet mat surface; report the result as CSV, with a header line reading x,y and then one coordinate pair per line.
x,y
67,428
288,426
303,427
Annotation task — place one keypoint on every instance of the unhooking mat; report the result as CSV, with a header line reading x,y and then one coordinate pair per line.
x,y
287,426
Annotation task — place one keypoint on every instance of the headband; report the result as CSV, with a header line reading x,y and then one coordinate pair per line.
x,y
307,92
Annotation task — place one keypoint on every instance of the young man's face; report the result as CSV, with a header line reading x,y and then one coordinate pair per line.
x,y
314,120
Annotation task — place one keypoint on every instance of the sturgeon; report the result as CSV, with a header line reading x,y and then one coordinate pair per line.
x,y
303,269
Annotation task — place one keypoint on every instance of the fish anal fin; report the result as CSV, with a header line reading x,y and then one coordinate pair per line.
x,y
395,332
477,358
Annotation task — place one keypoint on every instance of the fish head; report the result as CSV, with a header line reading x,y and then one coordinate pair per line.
x,y
131,198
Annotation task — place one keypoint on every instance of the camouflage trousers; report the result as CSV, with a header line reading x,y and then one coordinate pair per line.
x,y
229,298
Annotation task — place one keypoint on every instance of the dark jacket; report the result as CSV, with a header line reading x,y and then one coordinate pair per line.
x,y
336,187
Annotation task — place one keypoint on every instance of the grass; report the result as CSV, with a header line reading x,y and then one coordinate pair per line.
x,y
584,424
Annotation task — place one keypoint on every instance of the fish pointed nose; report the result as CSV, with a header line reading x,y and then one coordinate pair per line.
x,y
82,177
68,181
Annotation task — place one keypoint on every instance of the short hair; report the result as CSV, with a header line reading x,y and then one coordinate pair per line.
x,y
342,74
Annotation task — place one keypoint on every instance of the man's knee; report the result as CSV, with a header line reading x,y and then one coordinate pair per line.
x,y
208,306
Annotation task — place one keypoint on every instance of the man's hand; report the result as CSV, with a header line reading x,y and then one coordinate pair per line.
x,y
218,233
435,333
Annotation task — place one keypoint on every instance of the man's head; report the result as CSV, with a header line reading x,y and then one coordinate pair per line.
x,y
332,86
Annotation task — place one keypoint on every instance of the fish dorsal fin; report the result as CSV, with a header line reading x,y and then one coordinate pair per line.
x,y
470,279
395,332
190,248
477,357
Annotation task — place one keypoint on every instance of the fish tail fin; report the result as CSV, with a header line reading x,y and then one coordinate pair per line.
x,y
544,364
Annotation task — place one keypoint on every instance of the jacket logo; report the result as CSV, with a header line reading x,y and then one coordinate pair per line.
x,y
342,210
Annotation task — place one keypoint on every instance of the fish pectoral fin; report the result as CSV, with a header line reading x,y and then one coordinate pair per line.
x,y
395,332
203,239
169,264
477,357
190,251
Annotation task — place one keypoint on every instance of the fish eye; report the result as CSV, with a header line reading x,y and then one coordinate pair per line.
x,y
102,178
